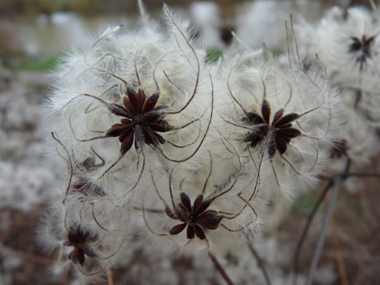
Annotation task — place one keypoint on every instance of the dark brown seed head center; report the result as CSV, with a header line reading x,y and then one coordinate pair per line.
x,y
137,120
192,220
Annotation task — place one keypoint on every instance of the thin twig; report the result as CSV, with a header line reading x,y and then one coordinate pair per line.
x,y
109,276
338,180
324,177
373,6
358,174
338,252
220,269
351,174
35,258
260,262
305,231
26,256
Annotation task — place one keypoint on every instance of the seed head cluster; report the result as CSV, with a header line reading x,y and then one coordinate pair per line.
x,y
155,142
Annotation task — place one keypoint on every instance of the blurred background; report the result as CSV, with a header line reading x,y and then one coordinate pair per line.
x,y
37,31
35,34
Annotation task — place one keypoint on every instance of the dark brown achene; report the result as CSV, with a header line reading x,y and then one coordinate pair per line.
x,y
195,218
339,149
280,129
87,188
80,239
142,121
362,46
83,184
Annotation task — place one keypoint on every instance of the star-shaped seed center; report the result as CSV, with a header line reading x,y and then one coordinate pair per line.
x,y
80,240
196,218
142,120
363,46
280,128
137,120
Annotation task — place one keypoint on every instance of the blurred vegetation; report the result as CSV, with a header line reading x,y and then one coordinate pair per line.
x,y
12,53
44,64
13,8
304,204
213,55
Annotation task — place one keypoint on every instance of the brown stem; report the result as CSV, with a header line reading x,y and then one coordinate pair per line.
x,y
305,231
338,252
358,97
29,257
260,262
338,181
109,276
324,177
358,174
220,269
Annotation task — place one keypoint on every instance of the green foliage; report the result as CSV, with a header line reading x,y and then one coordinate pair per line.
x,y
304,204
45,64
213,55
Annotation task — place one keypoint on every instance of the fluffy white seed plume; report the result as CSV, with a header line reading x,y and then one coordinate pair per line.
x,y
206,207
347,43
292,108
74,243
127,97
125,107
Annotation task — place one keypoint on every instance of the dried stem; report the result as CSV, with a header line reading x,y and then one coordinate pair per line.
x,y
35,258
260,262
358,174
338,180
338,252
351,174
109,276
324,177
27,256
305,231
220,269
